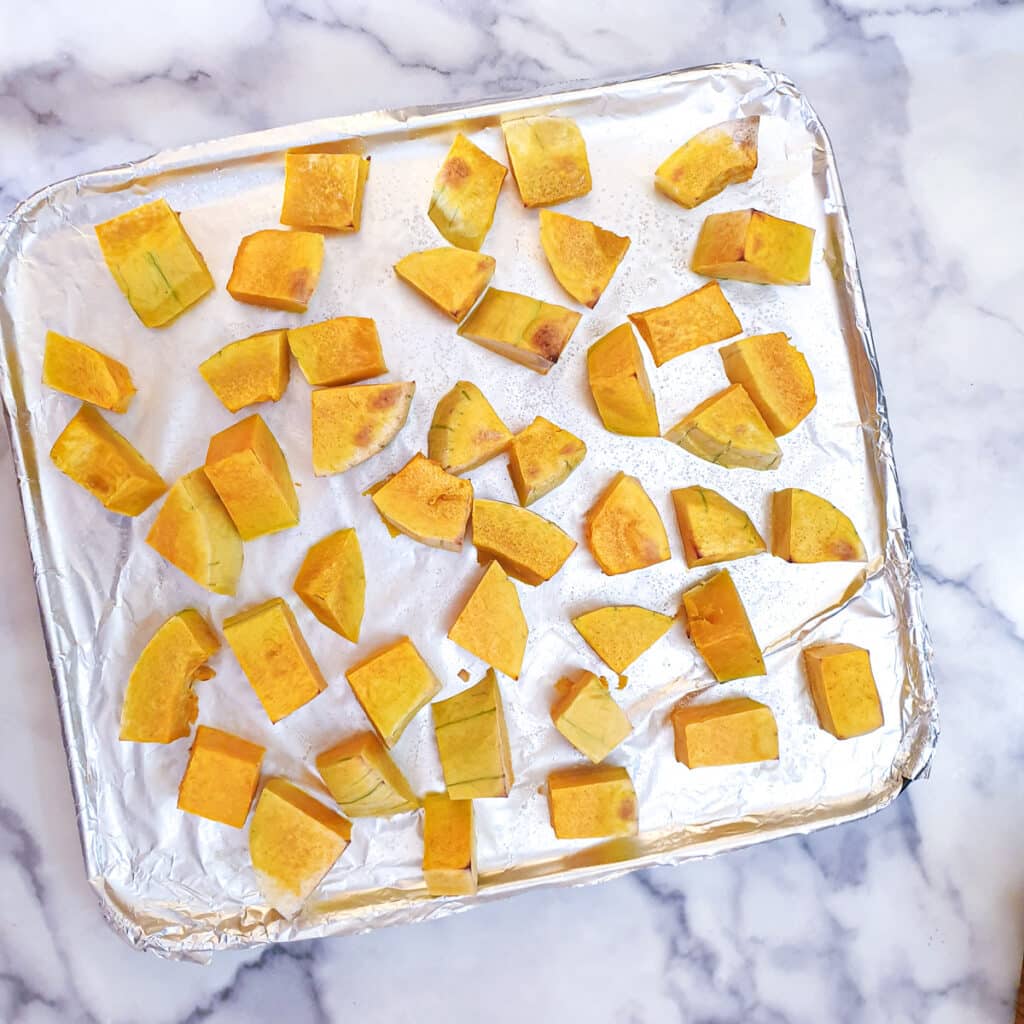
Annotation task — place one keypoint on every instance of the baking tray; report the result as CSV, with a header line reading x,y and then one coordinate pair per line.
x,y
182,886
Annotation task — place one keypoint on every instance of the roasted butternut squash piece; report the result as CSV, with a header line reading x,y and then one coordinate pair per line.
x,y
491,624
278,269
466,431
624,530
526,545
465,194
620,386
255,369
548,158
717,623
452,279
332,583
541,458
807,528
713,529
699,318
324,190
85,373
748,245
721,155
619,634
582,256
343,350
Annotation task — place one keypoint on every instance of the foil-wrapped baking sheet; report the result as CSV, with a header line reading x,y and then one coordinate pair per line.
x,y
182,886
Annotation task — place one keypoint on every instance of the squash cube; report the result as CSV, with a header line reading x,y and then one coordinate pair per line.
x,y
713,529
541,457
465,431
154,262
699,318
221,777
294,840
749,245
352,424
526,545
619,634
620,386
582,256
548,158
392,685
465,194
713,159
491,624
324,190
275,657
254,369
364,780
277,269
194,532
717,623
843,689
332,584
807,528
449,846
624,530
519,328
452,279
585,714
343,350
85,373
737,731
596,802
93,454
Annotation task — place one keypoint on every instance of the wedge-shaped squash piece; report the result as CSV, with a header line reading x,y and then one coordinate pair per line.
x,y
159,705
491,624
278,269
255,369
324,190
249,472
352,424
472,741
596,802
713,529
585,714
452,279
364,780
332,583
699,318
275,657
721,155
519,328
343,350
620,386
717,623
541,457
582,256
727,430
465,431
465,194
843,689
619,633
221,776
392,685
98,458
749,245
85,373
194,532
737,731
624,530
424,502
526,545
548,158
806,528
154,262
294,841
449,846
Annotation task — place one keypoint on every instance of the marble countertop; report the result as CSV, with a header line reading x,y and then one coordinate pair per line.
x,y
913,915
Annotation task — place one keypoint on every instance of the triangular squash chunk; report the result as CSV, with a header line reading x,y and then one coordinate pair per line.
x,y
624,530
466,431
713,529
582,256
452,279
541,457
806,528
619,634
620,385
465,194
491,624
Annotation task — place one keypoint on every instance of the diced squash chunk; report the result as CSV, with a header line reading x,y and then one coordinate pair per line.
x,y
278,269
596,802
727,430
352,424
159,705
324,190
449,846
343,350
255,369
452,279
624,530
491,624
465,431
472,741
93,454
620,386
582,256
465,194
721,155
294,841
85,373
843,689
519,328
364,780
221,777
619,634
332,583
585,714
392,685
275,657
548,158
749,245
541,457
154,262
699,318
717,623
526,545
807,528
713,529
737,731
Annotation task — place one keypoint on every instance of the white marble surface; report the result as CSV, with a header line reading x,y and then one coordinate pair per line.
x,y
914,915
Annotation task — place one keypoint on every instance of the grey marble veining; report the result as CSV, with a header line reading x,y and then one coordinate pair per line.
x,y
914,915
